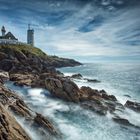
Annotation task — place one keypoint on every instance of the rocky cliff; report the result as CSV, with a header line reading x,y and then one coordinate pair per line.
x,y
27,58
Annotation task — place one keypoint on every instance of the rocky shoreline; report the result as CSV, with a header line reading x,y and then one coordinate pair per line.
x,y
12,105
33,71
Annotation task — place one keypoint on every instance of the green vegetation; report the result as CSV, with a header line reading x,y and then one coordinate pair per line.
x,y
23,48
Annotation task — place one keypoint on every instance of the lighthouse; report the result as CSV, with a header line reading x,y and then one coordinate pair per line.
x,y
3,31
30,36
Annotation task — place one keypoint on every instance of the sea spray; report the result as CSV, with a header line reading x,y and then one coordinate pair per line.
x,y
73,121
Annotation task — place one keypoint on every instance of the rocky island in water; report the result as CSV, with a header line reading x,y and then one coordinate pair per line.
x,y
24,68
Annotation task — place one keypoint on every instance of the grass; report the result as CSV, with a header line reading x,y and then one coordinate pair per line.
x,y
23,48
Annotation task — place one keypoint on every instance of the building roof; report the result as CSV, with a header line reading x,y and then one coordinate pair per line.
x,y
9,35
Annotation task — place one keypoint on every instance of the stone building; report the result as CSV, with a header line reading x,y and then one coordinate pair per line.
x,y
7,36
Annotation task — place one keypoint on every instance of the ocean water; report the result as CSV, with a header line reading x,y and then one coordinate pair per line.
x,y
119,79
77,123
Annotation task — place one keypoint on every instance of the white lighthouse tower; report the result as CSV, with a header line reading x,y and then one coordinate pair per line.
x,y
30,36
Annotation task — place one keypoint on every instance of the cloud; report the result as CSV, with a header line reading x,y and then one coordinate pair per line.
x,y
76,28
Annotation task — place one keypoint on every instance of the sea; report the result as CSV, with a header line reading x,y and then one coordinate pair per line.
x,y
76,123
119,79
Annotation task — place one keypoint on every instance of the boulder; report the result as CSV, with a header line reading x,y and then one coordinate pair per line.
x,y
133,105
63,88
102,91
98,100
77,76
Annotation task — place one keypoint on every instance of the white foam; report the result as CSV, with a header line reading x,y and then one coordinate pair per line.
x,y
68,74
75,122
36,92
37,95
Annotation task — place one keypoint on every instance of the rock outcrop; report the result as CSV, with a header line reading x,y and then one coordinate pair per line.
x,y
9,128
4,76
133,105
80,77
77,76
12,105
124,121
65,89
23,58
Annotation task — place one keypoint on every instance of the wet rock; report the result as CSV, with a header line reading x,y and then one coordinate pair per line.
x,y
59,73
109,97
1,81
77,76
20,108
102,91
10,101
4,76
17,77
23,79
111,106
13,102
63,88
41,121
92,80
127,96
124,121
121,121
87,91
99,101
9,128
96,106
133,105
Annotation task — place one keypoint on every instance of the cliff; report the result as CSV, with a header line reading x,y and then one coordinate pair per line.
x,y
28,58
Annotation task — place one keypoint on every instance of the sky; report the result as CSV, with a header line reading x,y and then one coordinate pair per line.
x,y
86,30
